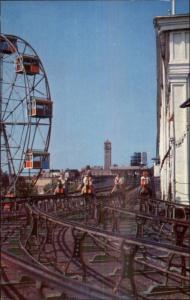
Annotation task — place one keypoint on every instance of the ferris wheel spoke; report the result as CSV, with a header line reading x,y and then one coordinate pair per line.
x,y
31,85
22,51
11,100
17,143
34,135
18,93
8,153
9,96
39,129
39,92
20,100
23,123
8,83
37,84
7,62
16,107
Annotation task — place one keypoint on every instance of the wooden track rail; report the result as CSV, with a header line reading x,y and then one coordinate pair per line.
x,y
52,233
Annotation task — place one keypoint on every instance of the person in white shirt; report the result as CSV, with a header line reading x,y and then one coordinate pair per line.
x,y
88,191
145,184
119,189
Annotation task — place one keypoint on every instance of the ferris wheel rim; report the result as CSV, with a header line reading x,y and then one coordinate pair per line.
x,y
47,92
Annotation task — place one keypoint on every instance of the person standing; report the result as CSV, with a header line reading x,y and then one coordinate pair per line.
x,y
145,184
118,200
59,188
87,184
116,184
119,189
88,192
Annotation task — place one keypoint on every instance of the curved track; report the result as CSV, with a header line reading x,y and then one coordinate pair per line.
x,y
56,242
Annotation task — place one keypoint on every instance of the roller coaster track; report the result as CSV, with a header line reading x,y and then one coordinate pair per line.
x,y
136,255
54,280
9,288
120,240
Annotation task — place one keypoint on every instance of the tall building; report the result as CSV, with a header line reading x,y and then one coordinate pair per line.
x,y
173,122
139,159
107,155
144,158
136,159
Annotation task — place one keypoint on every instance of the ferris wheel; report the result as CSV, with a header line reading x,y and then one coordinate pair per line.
x,y
25,110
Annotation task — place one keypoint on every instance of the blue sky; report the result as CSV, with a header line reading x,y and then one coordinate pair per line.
x,y
100,59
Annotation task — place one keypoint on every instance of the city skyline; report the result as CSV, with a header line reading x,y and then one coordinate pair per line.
x,y
100,60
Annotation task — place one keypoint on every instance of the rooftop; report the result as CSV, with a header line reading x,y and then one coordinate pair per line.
x,y
129,168
172,22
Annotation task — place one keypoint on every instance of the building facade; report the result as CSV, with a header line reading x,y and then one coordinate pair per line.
x,y
173,122
139,159
107,155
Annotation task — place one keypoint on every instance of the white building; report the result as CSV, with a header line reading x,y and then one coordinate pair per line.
x,y
173,122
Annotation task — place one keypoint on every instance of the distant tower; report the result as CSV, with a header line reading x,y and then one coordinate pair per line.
x,y
107,155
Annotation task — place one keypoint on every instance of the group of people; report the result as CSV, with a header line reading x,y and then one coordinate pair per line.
x,y
119,186
86,187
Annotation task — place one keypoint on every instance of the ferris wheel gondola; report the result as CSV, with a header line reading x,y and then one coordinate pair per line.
x,y
25,110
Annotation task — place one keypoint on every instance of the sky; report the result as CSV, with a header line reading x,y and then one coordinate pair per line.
x,y
100,59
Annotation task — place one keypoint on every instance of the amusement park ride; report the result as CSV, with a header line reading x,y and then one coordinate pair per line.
x,y
25,110
121,246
